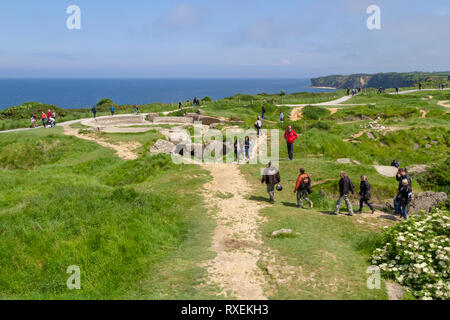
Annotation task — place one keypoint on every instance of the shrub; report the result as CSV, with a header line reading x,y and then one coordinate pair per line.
x,y
315,113
206,99
105,101
416,253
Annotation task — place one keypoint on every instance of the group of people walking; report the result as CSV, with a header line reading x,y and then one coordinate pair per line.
x,y
48,119
271,177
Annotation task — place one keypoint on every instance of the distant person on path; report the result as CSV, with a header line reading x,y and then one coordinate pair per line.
x,y
348,91
51,121
94,110
290,136
44,119
238,149
263,112
345,187
271,177
180,105
247,148
112,109
396,90
364,193
420,85
395,164
136,109
302,188
33,121
401,175
281,117
258,126
404,198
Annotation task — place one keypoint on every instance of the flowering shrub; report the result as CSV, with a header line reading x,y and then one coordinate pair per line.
x,y
416,253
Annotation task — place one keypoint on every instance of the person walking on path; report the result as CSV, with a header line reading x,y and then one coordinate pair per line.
x,y
247,148
263,112
281,117
44,119
401,175
33,121
420,85
396,90
290,136
258,126
302,188
136,109
345,187
364,193
404,198
271,177
180,105
112,109
94,110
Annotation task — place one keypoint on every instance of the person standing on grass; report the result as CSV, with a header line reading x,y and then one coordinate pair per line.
x,y
258,126
302,188
136,110
345,187
420,85
404,198
401,175
263,112
348,91
44,119
290,136
247,148
271,177
281,117
94,110
395,164
112,110
364,192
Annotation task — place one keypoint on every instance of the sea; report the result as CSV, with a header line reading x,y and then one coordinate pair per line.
x,y
82,93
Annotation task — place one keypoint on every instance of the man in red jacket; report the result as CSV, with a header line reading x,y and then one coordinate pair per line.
x,y
290,136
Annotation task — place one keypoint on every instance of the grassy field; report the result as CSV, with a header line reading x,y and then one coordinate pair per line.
x,y
64,201
138,233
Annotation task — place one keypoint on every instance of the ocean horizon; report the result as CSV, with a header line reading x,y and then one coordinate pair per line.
x,y
71,93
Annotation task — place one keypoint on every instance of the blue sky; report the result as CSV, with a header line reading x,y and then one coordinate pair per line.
x,y
221,38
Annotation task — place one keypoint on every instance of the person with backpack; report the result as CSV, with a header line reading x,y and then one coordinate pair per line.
x,y
290,136
364,193
401,175
345,187
404,198
94,110
303,188
271,177
258,126
112,109
395,163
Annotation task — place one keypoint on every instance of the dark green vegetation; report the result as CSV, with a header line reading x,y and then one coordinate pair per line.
x,y
127,224
385,80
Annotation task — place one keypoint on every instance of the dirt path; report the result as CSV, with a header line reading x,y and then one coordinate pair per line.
x,y
445,103
123,150
236,238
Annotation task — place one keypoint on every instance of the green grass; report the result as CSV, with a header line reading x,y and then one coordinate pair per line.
x,y
119,221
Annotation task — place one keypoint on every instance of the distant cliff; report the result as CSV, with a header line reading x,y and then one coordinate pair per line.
x,y
385,80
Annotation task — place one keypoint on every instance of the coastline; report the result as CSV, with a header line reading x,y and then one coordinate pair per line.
x,y
330,88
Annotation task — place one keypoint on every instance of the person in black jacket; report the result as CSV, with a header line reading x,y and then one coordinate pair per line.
x,y
364,192
404,198
345,187
271,177
401,175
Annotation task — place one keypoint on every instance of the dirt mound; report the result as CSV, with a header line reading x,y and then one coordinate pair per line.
x,y
296,114
426,201
445,103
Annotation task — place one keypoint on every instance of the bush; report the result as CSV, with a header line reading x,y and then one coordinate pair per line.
x,y
416,254
437,178
206,99
315,113
104,101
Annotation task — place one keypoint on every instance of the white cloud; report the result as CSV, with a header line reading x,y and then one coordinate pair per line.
x,y
181,16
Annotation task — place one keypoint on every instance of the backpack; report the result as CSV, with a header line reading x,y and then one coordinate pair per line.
x,y
306,184
352,185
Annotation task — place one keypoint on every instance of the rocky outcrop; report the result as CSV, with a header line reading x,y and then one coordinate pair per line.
x,y
163,146
426,201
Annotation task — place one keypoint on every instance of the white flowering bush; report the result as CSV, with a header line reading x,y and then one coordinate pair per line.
x,y
416,253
